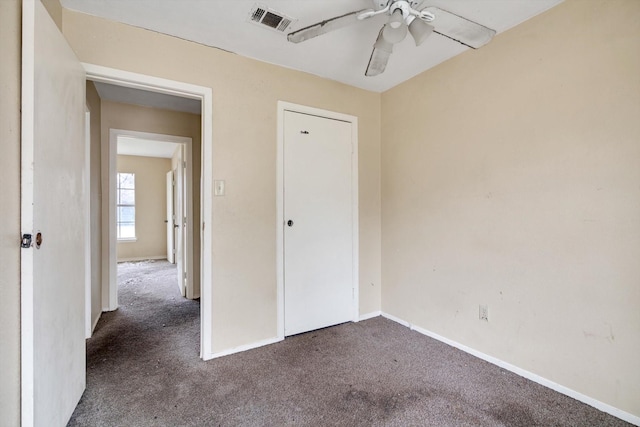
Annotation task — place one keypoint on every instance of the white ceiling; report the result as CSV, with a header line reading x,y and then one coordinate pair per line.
x,y
129,146
145,98
341,55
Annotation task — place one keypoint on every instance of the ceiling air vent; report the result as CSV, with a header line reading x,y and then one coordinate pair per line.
x,y
269,18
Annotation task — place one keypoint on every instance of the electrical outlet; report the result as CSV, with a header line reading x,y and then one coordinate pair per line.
x,y
483,313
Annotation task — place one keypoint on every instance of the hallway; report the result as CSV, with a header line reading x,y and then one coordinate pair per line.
x,y
133,351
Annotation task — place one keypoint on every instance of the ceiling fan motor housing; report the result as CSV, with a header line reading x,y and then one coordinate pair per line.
x,y
400,6
381,4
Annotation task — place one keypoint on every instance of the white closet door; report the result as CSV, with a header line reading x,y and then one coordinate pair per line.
x,y
318,247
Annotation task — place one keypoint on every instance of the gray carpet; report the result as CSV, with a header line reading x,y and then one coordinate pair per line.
x,y
143,370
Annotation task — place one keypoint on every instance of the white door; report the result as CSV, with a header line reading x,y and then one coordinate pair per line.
x,y
180,222
318,246
169,219
184,241
53,205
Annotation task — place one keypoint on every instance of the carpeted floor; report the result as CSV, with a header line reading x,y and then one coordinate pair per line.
x,y
143,369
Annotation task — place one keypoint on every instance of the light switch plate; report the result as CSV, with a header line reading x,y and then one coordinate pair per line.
x,y
218,188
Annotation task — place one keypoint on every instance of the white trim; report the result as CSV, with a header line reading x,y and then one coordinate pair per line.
x,y
280,222
287,106
143,258
98,73
370,315
127,239
109,196
396,319
87,223
205,95
618,413
206,234
243,348
355,214
95,323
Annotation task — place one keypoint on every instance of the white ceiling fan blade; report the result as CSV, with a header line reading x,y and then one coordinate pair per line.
x,y
460,29
324,27
382,50
377,62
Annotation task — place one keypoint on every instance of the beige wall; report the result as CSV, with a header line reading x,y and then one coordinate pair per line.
x,y
95,195
511,177
10,212
153,120
151,207
245,95
55,11
515,186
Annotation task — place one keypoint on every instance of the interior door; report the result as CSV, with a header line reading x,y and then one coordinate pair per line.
x,y
53,196
318,245
169,219
180,223
184,241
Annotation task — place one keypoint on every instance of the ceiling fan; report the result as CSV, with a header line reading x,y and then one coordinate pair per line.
x,y
403,17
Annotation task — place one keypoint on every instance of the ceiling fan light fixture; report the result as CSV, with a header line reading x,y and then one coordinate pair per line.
x,y
396,20
383,44
420,30
394,35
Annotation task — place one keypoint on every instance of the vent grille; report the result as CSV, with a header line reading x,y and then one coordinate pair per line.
x,y
269,18
257,14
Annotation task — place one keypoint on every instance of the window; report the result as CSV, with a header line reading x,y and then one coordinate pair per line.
x,y
126,206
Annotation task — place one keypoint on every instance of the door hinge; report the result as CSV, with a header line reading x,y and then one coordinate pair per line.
x,y
184,164
185,275
26,241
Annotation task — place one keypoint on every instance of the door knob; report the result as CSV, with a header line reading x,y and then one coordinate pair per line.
x,y
290,223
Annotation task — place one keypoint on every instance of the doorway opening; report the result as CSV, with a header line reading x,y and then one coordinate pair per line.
x,y
175,90
151,200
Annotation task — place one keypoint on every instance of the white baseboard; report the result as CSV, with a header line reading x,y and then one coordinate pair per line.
x,y
619,413
369,315
397,320
95,322
241,348
142,258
